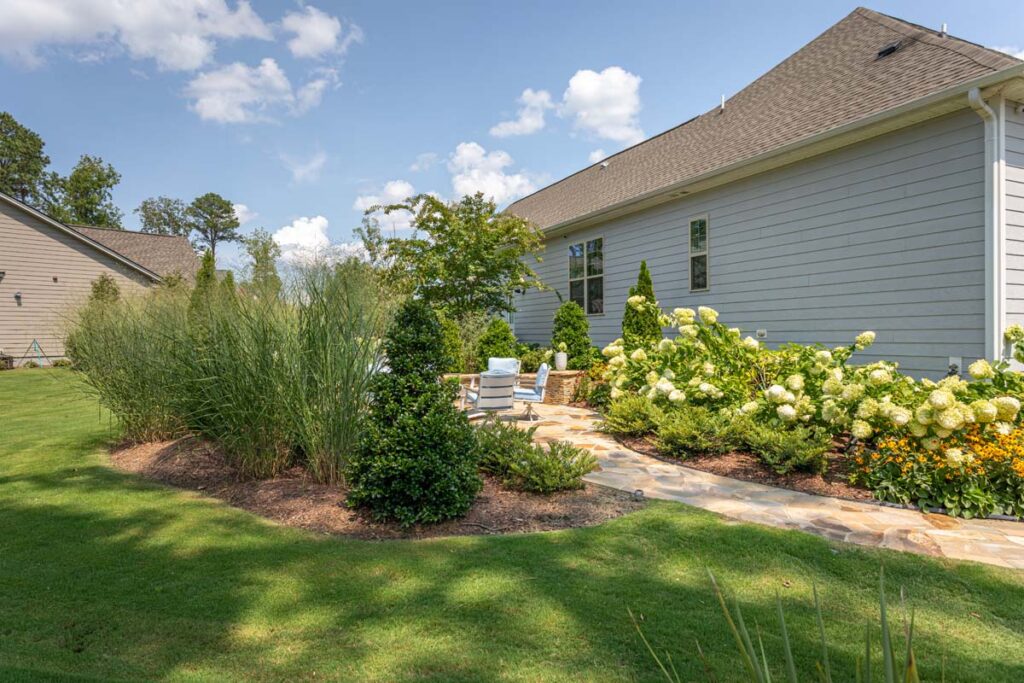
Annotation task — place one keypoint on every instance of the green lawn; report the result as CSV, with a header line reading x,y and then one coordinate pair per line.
x,y
107,577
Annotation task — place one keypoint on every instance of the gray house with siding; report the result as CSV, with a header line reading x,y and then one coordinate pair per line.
x,y
874,180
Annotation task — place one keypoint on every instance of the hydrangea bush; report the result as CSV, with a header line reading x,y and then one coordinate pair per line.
x,y
708,364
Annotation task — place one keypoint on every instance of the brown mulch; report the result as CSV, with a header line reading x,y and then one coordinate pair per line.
x,y
294,499
748,467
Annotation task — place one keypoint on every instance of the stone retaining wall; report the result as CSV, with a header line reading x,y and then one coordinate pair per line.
x,y
560,389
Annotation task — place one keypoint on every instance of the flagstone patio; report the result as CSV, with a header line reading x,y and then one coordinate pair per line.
x,y
990,541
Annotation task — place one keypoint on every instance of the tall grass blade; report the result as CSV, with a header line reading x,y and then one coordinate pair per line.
x,y
786,648
744,652
826,666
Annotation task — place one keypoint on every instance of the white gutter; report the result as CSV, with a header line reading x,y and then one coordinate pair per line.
x,y
995,219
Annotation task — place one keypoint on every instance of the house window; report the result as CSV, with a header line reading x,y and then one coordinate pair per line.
x,y
698,253
586,275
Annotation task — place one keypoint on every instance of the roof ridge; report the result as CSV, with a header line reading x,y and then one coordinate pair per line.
x,y
130,232
936,39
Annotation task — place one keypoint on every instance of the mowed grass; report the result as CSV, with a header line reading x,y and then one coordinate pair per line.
x,y
104,576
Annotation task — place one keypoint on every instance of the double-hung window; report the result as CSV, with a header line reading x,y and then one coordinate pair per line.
x,y
699,254
586,275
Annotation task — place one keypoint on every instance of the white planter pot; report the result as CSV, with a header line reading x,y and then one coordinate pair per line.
x,y
561,360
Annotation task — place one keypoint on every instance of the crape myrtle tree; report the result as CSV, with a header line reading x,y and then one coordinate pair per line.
x,y
463,256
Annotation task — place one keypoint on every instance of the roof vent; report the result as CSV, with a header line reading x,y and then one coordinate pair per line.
x,y
604,165
889,49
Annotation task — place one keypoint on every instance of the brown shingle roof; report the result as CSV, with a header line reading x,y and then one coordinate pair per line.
x,y
836,79
163,254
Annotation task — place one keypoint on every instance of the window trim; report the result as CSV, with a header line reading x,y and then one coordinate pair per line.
x,y
706,253
569,280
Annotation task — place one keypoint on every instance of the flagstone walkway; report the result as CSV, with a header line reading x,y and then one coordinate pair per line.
x,y
989,541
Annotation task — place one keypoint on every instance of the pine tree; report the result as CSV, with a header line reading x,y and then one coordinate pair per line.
x,y
641,328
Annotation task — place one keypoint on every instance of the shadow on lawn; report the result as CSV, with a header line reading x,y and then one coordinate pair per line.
x,y
108,573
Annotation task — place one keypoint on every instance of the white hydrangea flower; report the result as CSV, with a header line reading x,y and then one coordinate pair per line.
x,y
664,386
636,301
824,357
617,361
639,355
734,331
879,377
683,316
950,418
708,316
1007,407
831,411
864,340
677,396
750,407
900,416
621,381
1014,333
852,392
706,388
786,413
918,429
941,399
924,414
941,432
776,393
750,343
668,374
664,320
665,345
1004,428
795,382
612,350
981,369
984,411
832,386
861,429
867,408
688,331
616,393
708,369
836,374
954,457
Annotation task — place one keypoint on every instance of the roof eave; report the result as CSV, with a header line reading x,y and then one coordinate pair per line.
x,y
931,106
79,236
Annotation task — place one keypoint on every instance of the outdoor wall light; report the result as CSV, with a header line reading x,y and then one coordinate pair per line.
x,y
2,273
17,298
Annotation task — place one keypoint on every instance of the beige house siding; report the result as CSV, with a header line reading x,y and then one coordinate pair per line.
x,y
53,272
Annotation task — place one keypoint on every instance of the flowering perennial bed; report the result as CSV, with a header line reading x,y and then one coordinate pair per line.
x,y
954,443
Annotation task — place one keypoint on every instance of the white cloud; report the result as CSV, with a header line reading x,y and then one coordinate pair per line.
x,y
423,162
596,156
244,214
605,104
305,239
393,192
318,33
529,118
179,35
238,93
305,170
1012,50
474,169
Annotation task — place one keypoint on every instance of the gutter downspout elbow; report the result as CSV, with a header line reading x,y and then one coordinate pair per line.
x,y
979,105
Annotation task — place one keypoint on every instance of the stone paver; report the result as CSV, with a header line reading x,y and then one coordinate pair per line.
x,y
990,541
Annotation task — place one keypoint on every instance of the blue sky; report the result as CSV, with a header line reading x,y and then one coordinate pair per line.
x,y
304,112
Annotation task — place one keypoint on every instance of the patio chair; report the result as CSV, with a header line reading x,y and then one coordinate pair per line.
x,y
510,364
494,393
534,395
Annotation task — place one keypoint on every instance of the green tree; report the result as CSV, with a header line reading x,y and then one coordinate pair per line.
x,y
85,196
22,161
572,328
264,252
213,218
641,328
104,290
164,216
496,342
463,256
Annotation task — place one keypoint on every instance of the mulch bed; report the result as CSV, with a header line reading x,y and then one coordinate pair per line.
x,y
748,467
296,500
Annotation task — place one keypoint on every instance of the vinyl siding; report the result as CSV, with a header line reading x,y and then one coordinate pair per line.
x,y
886,235
1014,215
32,253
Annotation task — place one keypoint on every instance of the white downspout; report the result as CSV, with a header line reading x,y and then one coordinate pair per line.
x,y
995,220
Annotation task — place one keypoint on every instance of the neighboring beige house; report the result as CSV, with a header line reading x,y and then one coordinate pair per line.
x,y
47,268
